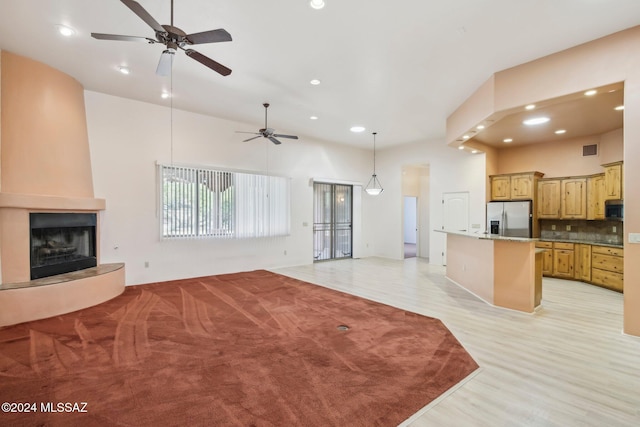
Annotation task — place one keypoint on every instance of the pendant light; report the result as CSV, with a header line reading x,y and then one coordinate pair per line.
x,y
374,187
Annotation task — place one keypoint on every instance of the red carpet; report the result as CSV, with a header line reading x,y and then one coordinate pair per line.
x,y
245,349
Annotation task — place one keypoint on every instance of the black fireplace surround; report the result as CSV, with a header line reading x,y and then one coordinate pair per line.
x,y
62,242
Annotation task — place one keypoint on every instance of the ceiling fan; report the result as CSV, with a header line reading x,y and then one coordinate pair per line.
x,y
267,132
173,38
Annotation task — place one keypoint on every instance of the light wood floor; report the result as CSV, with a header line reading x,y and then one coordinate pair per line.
x,y
566,365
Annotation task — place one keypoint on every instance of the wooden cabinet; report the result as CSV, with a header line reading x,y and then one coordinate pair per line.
x,y
563,260
547,257
501,187
595,196
573,201
607,267
548,198
598,265
522,186
613,181
582,262
515,186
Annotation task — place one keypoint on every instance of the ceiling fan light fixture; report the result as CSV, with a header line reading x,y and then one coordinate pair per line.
x,y
374,187
124,70
316,4
315,82
313,118
165,95
357,129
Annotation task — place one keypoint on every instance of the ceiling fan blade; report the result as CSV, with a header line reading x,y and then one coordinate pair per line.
x,y
286,136
251,139
213,36
275,141
215,66
165,63
101,36
144,15
253,133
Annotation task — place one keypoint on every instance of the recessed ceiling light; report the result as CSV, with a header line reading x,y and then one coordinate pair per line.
x,y
619,108
480,127
65,31
507,140
530,107
165,95
314,117
357,129
536,121
315,82
474,151
124,70
316,4
461,147
465,136
561,131
591,92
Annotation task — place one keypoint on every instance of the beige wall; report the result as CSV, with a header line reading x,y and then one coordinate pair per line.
x,y
555,159
607,60
45,148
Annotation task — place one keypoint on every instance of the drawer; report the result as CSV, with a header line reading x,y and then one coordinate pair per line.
x,y
607,279
565,246
607,262
546,245
607,250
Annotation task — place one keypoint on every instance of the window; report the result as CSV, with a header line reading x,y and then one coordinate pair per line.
x,y
200,203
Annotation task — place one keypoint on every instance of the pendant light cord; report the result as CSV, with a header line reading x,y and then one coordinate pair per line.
x,y
374,153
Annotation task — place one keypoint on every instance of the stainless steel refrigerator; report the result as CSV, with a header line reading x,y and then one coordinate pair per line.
x,y
511,219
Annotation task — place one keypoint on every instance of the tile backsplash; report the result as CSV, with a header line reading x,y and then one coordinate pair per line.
x,y
590,231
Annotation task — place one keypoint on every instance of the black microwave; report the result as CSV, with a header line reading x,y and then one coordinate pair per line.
x,y
614,209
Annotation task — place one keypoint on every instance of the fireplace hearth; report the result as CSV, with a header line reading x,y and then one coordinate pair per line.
x,y
61,243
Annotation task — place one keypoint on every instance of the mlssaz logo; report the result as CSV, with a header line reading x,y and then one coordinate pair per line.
x,y
63,407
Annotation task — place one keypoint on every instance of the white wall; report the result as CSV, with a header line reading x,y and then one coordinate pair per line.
x,y
127,138
450,170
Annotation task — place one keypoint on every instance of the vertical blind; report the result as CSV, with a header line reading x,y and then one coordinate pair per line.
x,y
199,203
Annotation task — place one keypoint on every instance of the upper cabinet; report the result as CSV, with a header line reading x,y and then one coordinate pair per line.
x,y
501,187
520,186
613,181
595,196
573,202
549,198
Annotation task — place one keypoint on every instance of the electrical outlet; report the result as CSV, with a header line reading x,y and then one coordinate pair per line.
x,y
553,227
568,228
146,264
285,251
613,229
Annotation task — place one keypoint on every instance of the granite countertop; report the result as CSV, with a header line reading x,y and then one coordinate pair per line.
x,y
586,242
525,239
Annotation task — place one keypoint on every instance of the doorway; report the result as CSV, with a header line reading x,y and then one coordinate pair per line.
x,y
332,221
410,226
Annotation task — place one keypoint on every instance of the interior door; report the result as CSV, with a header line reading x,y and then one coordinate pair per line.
x,y
332,223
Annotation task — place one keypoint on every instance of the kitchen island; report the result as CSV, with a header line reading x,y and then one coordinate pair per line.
x,y
502,271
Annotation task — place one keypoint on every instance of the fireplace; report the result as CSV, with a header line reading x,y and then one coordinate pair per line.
x,y
61,243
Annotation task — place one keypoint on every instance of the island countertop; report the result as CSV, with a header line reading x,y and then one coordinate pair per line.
x,y
533,239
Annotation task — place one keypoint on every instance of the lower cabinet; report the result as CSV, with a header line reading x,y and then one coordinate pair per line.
x,y
563,260
547,257
582,262
607,267
598,265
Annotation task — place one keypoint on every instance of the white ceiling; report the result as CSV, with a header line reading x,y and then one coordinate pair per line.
x,y
395,67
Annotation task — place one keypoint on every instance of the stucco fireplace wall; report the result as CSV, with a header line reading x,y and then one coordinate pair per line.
x,y
45,163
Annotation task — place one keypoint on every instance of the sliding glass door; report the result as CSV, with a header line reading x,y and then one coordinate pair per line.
x,y
332,221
